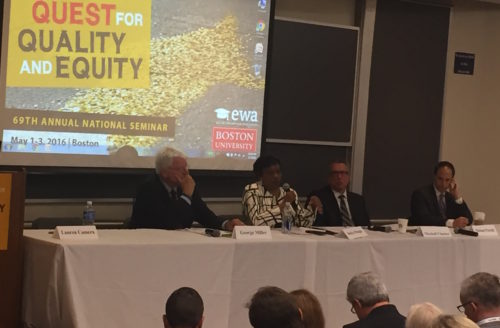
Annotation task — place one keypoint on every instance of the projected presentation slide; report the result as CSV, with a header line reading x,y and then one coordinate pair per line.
x,y
106,83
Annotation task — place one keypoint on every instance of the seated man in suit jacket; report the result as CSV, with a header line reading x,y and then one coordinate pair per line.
x,y
370,301
170,199
440,203
339,206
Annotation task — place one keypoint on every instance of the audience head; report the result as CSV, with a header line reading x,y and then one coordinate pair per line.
x,y
452,321
171,166
480,296
365,292
422,315
272,307
312,314
443,175
267,169
184,309
338,175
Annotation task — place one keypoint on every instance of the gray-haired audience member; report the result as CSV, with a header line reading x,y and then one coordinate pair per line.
x,y
480,298
184,309
272,307
312,314
422,315
452,321
370,301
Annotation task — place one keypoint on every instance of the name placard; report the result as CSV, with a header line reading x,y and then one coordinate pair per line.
x,y
252,233
485,230
76,233
433,232
354,232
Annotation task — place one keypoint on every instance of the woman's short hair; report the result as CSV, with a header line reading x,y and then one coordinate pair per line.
x,y
264,162
422,315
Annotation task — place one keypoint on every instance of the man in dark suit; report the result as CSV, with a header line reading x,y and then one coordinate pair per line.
x,y
170,199
370,301
339,206
440,203
480,297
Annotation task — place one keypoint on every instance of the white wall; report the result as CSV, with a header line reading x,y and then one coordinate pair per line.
x,y
471,113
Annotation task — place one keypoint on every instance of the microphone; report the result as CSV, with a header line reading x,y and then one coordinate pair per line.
x,y
286,188
212,232
319,231
466,232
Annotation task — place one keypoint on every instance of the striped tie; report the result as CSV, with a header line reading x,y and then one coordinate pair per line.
x,y
346,218
173,194
442,205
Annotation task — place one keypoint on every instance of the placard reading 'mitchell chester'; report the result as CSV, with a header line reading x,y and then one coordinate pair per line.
x,y
5,189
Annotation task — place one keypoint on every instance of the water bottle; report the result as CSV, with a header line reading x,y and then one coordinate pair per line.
x,y
287,218
89,214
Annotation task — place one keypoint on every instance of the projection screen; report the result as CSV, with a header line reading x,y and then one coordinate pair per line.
x,y
106,83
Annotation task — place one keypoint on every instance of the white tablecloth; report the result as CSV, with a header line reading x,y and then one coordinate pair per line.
x,y
123,278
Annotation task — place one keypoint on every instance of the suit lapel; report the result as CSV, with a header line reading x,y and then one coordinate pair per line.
x,y
352,208
335,218
335,204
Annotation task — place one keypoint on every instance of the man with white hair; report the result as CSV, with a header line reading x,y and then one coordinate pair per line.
x,y
370,301
480,297
170,199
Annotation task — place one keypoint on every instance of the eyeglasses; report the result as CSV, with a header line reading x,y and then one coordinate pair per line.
x,y
352,309
339,172
461,307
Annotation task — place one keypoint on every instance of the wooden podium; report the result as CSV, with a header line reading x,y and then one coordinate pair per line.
x,y
12,188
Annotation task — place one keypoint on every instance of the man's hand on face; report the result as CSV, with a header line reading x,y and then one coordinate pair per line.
x,y
454,189
187,185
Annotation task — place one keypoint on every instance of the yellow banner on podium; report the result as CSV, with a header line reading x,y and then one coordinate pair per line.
x,y
5,190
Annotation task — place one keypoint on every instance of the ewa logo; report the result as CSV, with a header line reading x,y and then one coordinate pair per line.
x,y
237,115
